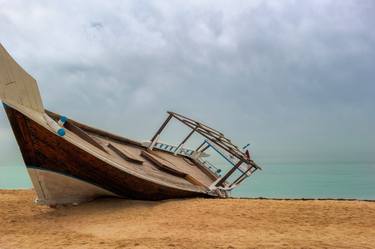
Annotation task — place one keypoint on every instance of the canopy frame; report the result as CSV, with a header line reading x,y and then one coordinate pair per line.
x,y
213,138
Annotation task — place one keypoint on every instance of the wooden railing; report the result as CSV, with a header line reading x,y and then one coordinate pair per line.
x,y
172,149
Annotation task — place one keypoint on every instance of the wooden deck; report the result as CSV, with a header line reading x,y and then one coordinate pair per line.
x,y
160,164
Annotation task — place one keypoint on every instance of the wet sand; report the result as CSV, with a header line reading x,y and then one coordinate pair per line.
x,y
193,223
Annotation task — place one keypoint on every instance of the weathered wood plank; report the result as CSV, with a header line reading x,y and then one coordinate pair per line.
x,y
83,135
124,154
162,164
99,132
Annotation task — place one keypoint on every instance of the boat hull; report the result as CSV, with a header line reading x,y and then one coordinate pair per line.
x,y
44,151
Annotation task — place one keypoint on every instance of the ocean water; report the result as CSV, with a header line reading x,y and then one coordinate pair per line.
x,y
311,180
303,180
14,177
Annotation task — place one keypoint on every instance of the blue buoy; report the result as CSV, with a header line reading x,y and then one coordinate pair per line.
x,y
61,132
63,119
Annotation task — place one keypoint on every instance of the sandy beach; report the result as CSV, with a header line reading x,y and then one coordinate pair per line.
x,y
193,223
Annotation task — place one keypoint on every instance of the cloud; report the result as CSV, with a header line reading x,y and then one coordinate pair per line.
x,y
294,78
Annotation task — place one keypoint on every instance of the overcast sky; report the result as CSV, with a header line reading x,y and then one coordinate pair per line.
x,y
296,79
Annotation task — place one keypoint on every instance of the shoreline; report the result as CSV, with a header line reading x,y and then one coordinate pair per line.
x,y
251,198
186,223
300,199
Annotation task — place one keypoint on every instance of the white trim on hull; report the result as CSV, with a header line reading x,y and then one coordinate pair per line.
x,y
55,188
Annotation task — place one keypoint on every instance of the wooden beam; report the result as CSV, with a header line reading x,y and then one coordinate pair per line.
x,y
194,122
184,141
160,129
240,178
230,172
254,169
200,146
162,164
205,148
231,149
101,133
124,154
83,135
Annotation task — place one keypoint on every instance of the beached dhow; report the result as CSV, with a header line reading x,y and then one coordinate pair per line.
x,y
69,162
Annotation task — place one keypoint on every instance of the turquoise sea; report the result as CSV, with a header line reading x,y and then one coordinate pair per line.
x,y
302,180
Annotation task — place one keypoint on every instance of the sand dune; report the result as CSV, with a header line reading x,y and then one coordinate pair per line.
x,y
193,223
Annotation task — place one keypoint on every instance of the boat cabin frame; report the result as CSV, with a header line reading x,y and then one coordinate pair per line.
x,y
239,160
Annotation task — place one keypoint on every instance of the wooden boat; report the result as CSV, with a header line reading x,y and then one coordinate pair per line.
x,y
69,162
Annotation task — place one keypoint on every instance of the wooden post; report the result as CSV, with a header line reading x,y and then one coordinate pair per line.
x,y
254,169
157,134
224,178
239,179
205,148
200,146
184,141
